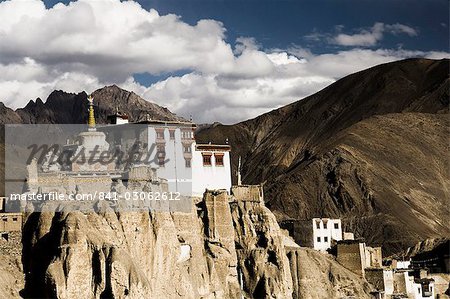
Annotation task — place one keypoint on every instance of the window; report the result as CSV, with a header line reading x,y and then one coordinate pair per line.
x,y
219,159
187,134
160,134
336,226
160,151
5,236
172,134
5,219
325,239
325,225
318,224
318,239
206,159
418,289
187,163
187,149
14,219
161,162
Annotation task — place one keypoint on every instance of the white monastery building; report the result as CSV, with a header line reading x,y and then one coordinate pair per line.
x,y
188,167
325,230
211,168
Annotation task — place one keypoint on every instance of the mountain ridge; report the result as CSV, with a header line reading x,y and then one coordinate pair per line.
x,y
296,150
65,108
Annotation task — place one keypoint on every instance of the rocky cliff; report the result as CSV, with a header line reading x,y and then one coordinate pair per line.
x,y
227,247
320,276
125,255
11,272
370,149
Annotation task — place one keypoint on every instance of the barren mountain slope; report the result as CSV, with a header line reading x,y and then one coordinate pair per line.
x,y
386,176
287,148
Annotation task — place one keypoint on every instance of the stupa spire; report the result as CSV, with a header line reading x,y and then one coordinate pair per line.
x,y
91,120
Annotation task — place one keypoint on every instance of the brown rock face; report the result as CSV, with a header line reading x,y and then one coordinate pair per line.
x,y
11,273
263,263
125,255
370,148
320,276
8,116
227,247
133,254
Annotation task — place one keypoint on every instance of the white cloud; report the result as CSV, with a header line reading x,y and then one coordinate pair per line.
x,y
93,35
364,38
217,98
373,36
400,28
91,43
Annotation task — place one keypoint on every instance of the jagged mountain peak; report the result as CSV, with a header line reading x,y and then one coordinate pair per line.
x,y
65,108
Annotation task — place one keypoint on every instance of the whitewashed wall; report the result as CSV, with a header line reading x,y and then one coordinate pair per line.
x,y
210,177
330,232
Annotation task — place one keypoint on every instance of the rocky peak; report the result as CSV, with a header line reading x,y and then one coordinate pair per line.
x,y
110,99
70,108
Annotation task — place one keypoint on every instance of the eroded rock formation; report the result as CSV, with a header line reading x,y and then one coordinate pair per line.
x,y
263,262
124,255
229,246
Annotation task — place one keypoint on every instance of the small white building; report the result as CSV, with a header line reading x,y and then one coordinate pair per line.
x,y
401,264
211,168
118,118
424,288
324,231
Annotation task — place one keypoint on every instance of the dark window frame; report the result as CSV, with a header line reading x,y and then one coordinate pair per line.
x,y
161,162
187,163
172,134
219,159
160,135
207,161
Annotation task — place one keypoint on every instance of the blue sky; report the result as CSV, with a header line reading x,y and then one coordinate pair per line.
x,y
284,23
280,23
248,58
